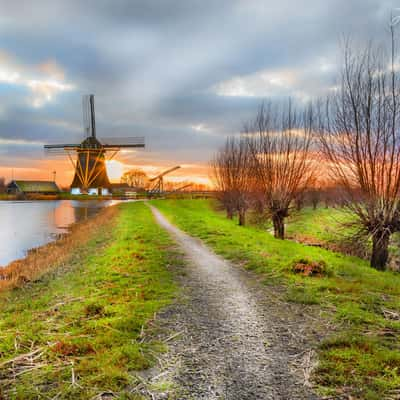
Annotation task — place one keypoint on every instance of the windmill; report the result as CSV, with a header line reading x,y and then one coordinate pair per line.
x,y
89,157
158,187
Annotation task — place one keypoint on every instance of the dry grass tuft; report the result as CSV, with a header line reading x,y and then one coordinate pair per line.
x,y
309,268
52,255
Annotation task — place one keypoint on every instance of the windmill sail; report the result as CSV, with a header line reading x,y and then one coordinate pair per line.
x,y
89,119
123,142
90,161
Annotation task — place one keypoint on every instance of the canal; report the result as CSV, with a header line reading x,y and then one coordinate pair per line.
x,y
29,224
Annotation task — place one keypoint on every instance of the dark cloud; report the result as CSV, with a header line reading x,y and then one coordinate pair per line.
x,y
182,73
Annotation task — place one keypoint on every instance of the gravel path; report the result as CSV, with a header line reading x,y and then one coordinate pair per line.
x,y
237,339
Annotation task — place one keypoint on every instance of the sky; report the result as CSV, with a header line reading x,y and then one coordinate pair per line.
x,y
183,74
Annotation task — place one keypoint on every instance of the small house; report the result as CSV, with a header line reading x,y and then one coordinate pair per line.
x,y
124,190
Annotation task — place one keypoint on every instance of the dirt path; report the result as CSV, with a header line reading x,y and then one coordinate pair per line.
x,y
238,340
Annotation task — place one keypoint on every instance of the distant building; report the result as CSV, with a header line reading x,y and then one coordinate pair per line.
x,y
123,189
32,187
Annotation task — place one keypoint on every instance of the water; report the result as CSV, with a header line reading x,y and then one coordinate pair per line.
x,y
28,224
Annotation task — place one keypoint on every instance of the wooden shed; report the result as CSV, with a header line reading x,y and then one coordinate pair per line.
x,y
32,187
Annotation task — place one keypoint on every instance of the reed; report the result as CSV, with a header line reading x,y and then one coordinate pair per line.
x,y
55,254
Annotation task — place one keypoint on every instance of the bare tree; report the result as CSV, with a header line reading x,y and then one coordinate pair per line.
x,y
230,168
280,143
299,200
220,177
360,139
135,178
314,193
2,185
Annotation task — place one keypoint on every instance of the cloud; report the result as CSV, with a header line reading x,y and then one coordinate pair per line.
x,y
184,74
18,142
43,81
302,82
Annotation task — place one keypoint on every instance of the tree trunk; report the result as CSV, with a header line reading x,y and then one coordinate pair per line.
x,y
242,217
279,226
259,207
229,213
380,250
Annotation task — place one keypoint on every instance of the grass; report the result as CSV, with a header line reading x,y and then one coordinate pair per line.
x,y
362,356
5,196
332,228
327,225
78,330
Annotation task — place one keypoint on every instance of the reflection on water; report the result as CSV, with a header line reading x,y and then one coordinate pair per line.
x,y
28,224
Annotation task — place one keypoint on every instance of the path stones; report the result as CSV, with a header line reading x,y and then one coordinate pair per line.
x,y
227,318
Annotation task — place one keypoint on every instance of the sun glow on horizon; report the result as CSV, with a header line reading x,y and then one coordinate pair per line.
x,y
115,170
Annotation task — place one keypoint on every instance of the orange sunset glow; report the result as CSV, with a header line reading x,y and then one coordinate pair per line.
x,y
43,170
115,170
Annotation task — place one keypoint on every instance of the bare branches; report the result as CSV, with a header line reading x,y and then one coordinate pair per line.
x,y
230,169
359,134
360,138
269,165
135,178
280,142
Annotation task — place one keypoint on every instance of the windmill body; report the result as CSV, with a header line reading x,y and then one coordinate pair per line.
x,y
90,167
89,157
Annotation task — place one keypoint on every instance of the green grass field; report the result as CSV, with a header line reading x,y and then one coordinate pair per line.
x,y
83,323
334,228
323,224
362,356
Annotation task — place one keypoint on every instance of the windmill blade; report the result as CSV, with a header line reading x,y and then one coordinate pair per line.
x,y
60,146
123,142
89,119
56,151
87,129
59,149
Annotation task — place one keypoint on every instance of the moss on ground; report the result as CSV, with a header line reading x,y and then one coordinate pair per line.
x,y
83,323
362,356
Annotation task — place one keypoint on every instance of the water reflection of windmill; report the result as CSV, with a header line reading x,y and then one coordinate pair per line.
x,y
89,157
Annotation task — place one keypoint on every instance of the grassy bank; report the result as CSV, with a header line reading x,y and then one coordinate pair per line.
x,y
323,225
51,197
361,357
332,228
69,196
5,196
54,254
78,331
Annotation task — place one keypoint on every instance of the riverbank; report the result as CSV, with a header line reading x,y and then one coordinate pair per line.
x,y
60,196
359,306
76,327
54,254
65,196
